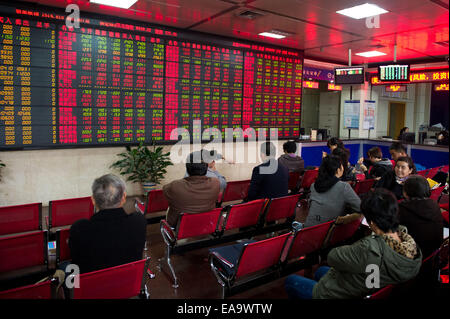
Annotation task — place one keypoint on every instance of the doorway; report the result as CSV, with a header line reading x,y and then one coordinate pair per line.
x,y
396,118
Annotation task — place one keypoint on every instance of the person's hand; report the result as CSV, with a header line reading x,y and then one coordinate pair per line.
x,y
212,166
361,160
324,154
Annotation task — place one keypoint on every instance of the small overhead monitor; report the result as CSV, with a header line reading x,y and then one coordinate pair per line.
x,y
349,75
394,73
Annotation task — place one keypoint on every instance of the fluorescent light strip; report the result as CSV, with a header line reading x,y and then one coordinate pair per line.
x,y
362,11
124,4
370,54
272,35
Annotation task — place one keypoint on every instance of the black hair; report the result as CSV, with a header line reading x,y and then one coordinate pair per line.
x,y
380,206
343,154
417,186
375,152
397,147
403,130
290,147
328,168
195,166
268,149
335,141
409,161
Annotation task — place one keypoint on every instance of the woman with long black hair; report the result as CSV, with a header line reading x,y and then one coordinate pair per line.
x,y
329,195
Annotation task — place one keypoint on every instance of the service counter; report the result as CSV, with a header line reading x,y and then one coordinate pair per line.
x,y
425,155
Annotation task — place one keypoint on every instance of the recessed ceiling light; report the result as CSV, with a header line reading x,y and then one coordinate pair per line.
x,y
277,34
124,4
362,11
370,54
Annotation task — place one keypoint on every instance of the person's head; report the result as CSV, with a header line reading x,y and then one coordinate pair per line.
x,y
267,151
331,166
374,154
416,186
334,142
397,150
404,130
343,154
442,135
195,166
380,208
404,166
108,191
289,147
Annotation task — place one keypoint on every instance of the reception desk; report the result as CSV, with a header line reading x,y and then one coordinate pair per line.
x,y
425,155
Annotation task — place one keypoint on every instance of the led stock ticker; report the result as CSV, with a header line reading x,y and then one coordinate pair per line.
x,y
115,83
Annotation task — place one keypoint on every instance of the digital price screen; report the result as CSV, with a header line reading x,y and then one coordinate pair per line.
x,y
118,83
349,75
393,72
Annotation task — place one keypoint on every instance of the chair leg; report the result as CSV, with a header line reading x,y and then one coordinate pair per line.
x,y
172,270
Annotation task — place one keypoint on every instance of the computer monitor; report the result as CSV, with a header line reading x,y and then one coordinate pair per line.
x,y
409,137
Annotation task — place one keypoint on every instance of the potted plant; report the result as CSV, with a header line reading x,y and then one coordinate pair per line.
x,y
1,166
143,165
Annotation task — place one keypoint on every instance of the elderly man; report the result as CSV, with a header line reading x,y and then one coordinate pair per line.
x,y
111,237
196,193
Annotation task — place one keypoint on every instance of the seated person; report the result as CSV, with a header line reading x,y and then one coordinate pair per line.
x,y
398,150
442,138
403,130
349,174
111,237
293,162
379,166
421,215
210,158
393,180
390,249
329,195
196,193
332,144
269,179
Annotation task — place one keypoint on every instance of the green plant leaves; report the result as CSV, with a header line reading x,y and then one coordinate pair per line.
x,y
141,164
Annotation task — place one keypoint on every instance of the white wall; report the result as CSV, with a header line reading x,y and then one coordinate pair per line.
x,y
44,175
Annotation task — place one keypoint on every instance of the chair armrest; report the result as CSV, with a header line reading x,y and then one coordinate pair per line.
x,y
222,278
168,233
140,206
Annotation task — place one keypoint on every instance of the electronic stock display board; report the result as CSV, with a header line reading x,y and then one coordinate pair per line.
x,y
118,83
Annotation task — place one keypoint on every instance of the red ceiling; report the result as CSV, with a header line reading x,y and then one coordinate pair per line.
x,y
414,25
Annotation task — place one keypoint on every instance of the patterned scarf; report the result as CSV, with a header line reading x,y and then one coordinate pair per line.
x,y
407,247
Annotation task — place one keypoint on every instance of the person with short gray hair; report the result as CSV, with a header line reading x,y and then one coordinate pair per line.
x,y
111,237
108,191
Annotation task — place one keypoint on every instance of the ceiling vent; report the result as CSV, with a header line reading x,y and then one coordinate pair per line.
x,y
249,14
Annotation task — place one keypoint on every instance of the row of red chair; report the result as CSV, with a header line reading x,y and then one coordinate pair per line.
x,y
25,218
299,182
120,282
243,265
220,225
431,172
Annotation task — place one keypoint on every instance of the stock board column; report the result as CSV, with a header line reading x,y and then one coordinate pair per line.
x,y
296,111
67,95
225,91
171,88
27,76
206,86
215,88
196,89
236,85
249,82
155,89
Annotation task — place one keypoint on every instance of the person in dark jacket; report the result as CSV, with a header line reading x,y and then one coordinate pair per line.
x,y
393,180
111,237
270,179
330,197
349,174
289,159
380,165
421,215
388,256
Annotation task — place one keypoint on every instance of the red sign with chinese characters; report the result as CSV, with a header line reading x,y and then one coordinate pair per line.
x,y
418,76
441,87
334,87
310,84
396,88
